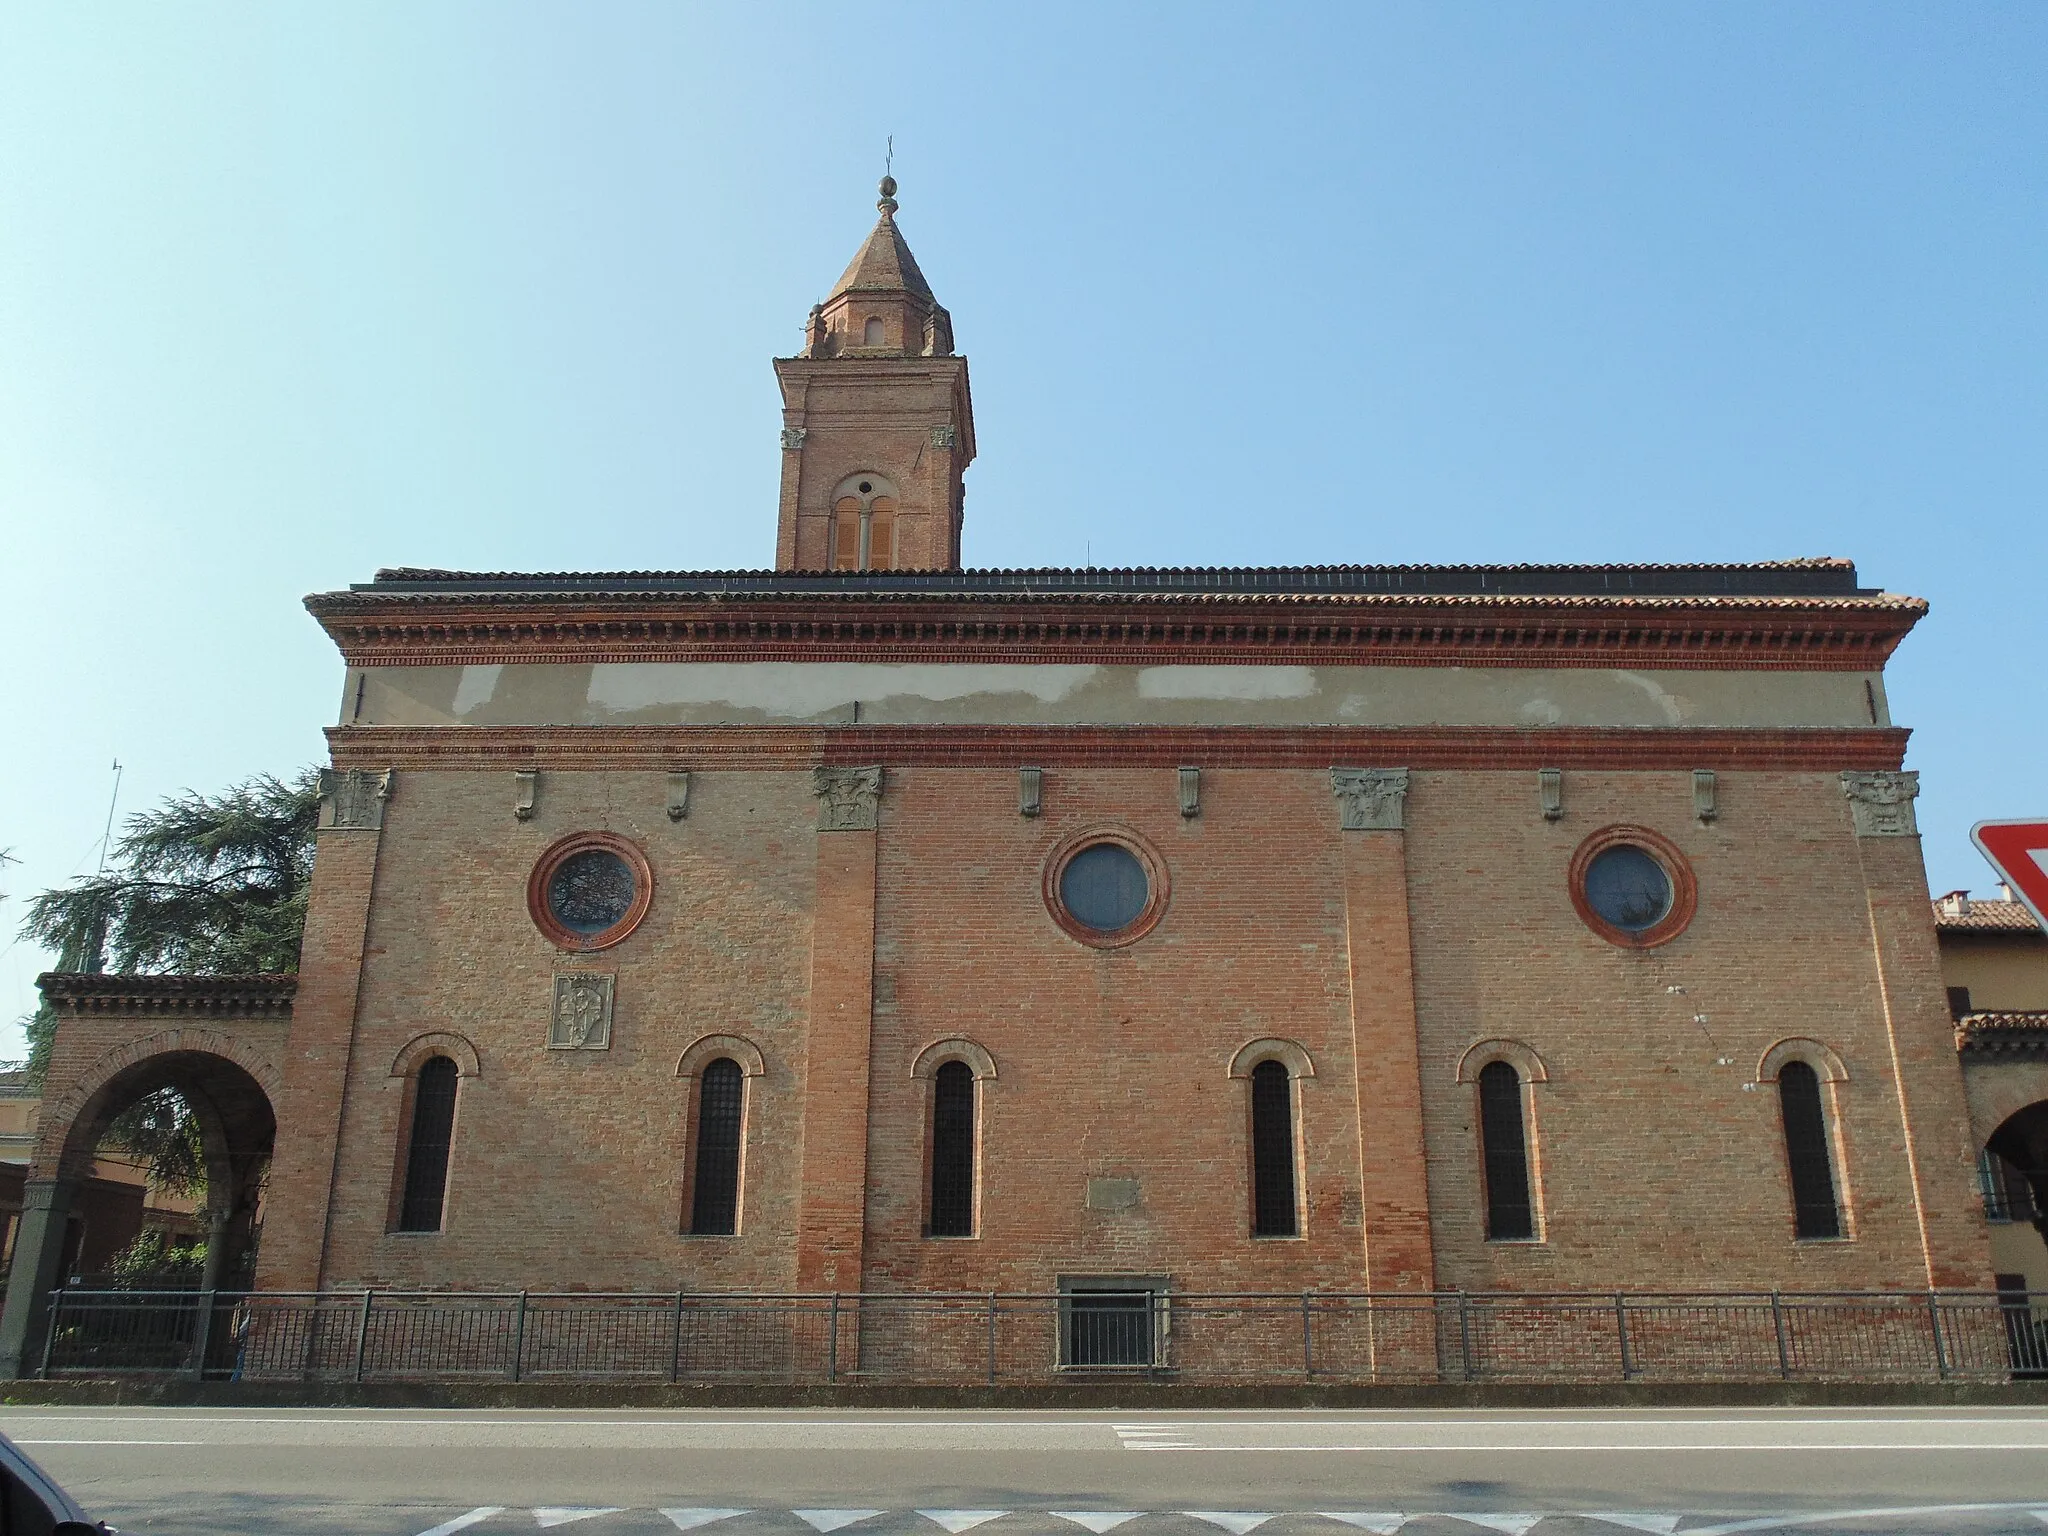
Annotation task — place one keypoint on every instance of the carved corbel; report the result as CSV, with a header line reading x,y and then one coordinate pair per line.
x,y
1191,792
1705,795
1550,792
1030,791
678,794
525,790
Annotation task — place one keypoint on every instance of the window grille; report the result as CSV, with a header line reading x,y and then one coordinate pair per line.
x,y
1108,1328
715,1196
952,1209
1806,1150
1273,1206
1510,1215
433,1135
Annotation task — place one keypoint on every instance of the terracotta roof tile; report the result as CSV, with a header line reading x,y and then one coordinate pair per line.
x,y
1983,917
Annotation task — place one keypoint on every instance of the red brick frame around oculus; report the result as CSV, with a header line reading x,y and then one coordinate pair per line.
x,y
1158,886
1684,888
559,853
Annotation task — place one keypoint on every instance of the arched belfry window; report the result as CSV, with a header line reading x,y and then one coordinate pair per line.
x,y
715,1185
864,524
1504,1145
952,1191
1815,1212
1273,1182
429,1140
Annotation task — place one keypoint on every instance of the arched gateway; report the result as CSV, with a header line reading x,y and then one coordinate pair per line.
x,y
219,1042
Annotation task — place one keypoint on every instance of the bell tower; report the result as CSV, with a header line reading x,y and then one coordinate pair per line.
x,y
877,423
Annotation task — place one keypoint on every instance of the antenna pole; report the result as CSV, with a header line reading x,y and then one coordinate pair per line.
x,y
108,836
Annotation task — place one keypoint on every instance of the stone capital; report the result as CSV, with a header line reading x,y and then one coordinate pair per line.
x,y
848,798
1370,799
1881,802
352,799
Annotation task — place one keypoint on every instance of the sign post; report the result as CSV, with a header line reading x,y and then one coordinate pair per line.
x,y
2018,850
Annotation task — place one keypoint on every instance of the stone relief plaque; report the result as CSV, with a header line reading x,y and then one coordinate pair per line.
x,y
582,1019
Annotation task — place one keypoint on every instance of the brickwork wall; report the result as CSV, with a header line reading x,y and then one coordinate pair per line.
x,y
1658,1168
568,1168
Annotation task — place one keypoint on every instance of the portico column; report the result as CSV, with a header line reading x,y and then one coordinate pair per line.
x,y
38,1251
832,1229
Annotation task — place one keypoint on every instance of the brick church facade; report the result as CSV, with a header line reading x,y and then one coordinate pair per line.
x,y
875,924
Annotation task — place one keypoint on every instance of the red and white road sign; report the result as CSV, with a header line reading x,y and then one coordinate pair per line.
x,y
2018,850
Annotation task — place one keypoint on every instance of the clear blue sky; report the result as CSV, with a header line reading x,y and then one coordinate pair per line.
x,y
288,292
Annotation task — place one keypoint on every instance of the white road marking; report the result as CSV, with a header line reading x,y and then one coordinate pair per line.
x,y
826,1520
1775,1522
551,1515
1097,1520
958,1520
1231,1521
690,1519
1633,1520
1379,1522
20,1441
1507,1525
464,1522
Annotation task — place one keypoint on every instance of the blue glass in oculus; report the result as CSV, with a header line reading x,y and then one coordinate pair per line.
x,y
591,891
1628,888
1104,887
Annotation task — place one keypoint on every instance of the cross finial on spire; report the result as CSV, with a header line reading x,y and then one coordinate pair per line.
x,y
888,202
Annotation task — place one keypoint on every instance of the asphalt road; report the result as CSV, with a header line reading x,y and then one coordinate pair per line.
x,y
216,1472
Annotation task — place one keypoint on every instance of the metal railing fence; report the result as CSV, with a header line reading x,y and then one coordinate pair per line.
x,y
1024,1339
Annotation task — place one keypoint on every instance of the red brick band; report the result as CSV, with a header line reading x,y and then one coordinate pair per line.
x,y
792,748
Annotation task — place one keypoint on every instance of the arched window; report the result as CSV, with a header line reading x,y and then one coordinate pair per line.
x,y
432,1136
715,1189
1273,1203
864,524
1814,1212
952,1208
1504,1142
871,333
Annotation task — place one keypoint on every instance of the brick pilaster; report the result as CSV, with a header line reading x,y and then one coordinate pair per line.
x,y
1934,1118
832,1229
318,1055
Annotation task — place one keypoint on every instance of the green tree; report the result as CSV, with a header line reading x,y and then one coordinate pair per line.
x,y
202,885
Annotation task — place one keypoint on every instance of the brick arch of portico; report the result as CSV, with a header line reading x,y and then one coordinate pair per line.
x,y
219,1042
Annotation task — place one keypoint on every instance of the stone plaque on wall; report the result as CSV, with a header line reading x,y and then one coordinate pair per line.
x,y
582,1018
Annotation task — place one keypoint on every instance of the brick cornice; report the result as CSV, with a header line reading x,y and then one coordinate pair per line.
x,y
251,996
792,748
1734,633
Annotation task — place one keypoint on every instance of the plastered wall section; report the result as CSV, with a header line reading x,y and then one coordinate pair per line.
x,y
1658,1160
885,693
568,1170
2002,971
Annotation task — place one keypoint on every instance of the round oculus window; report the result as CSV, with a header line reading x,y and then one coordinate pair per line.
x,y
1633,886
590,890
1104,887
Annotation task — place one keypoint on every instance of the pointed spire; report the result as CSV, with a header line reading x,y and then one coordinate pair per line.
x,y
884,263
